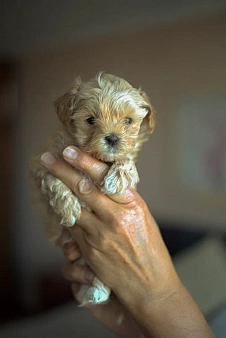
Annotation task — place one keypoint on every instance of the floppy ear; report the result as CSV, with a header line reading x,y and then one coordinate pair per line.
x,y
66,104
150,118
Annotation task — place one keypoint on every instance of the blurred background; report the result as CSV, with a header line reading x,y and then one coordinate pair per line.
x,y
176,51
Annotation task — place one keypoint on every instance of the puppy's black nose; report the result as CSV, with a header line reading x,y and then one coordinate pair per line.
x,y
112,139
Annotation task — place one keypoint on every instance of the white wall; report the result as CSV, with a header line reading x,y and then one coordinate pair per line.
x,y
168,62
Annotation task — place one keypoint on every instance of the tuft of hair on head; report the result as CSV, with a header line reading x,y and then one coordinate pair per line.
x,y
103,76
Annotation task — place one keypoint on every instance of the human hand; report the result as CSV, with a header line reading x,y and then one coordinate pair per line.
x,y
119,239
108,314
121,242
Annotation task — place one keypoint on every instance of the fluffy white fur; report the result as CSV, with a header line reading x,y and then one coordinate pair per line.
x,y
109,119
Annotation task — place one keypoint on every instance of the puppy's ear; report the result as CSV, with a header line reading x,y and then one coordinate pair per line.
x,y
65,106
150,118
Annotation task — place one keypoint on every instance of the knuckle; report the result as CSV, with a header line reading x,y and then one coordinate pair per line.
x,y
92,167
134,200
102,239
97,242
72,256
85,162
76,254
73,272
141,206
127,216
77,273
74,185
84,186
92,239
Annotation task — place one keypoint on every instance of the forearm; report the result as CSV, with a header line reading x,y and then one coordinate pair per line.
x,y
174,314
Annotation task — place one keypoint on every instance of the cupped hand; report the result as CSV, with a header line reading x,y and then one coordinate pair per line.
x,y
122,244
119,239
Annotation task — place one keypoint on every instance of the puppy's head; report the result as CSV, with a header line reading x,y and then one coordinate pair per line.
x,y
106,117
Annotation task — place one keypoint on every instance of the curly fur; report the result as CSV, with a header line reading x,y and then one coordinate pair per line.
x,y
121,120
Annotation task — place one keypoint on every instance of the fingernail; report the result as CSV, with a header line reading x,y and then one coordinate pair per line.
x,y
48,158
70,152
89,275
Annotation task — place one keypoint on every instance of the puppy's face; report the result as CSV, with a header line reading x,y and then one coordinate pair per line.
x,y
108,132
105,117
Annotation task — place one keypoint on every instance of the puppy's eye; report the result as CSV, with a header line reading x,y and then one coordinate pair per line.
x,y
90,120
128,120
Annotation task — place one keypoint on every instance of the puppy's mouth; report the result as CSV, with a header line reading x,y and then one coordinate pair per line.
x,y
112,154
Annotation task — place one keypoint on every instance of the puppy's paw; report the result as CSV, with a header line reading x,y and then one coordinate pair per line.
x,y
120,177
71,211
61,199
96,294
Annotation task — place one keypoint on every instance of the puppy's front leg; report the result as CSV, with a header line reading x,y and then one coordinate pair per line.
x,y
61,199
120,177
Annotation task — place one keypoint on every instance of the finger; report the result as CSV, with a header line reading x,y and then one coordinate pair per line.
x,y
71,251
87,226
81,186
89,218
94,169
78,273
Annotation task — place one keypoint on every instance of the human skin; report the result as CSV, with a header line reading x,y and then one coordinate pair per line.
x,y
122,244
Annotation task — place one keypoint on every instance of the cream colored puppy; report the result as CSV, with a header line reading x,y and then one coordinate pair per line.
x,y
109,119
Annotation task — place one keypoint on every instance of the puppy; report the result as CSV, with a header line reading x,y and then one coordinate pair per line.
x,y
109,119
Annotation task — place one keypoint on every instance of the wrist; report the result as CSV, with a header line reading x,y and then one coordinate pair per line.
x,y
152,288
147,305
169,313
151,297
